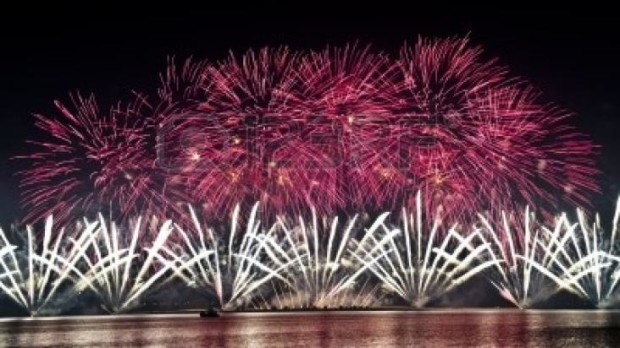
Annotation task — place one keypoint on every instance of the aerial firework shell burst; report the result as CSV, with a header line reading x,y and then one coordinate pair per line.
x,y
337,129
94,161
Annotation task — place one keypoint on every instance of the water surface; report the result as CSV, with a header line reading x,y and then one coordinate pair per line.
x,y
502,328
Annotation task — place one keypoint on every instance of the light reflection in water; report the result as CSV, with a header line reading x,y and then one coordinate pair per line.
x,y
385,329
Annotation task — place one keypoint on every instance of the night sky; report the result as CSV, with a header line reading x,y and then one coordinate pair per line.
x,y
574,58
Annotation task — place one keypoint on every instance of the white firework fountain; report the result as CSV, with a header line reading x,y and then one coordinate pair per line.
x,y
230,265
118,269
589,260
420,266
318,264
531,269
33,277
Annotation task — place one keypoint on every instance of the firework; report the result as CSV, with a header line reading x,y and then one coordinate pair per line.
x,y
232,268
181,88
474,140
319,264
338,129
589,260
119,270
530,268
343,89
92,160
348,128
250,139
421,266
33,277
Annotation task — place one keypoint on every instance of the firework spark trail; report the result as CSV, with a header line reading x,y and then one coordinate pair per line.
x,y
92,160
255,146
537,266
419,267
118,273
181,88
588,261
470,136
314,264
232,268
515,276
337,129
343,88
33,278
320,269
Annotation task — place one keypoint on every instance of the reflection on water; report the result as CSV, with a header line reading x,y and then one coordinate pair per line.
x,y
437,328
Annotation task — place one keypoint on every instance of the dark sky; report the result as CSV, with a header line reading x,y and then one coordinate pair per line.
x,y
573,57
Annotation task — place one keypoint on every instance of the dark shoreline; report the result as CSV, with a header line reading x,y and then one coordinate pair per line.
x,y
432,310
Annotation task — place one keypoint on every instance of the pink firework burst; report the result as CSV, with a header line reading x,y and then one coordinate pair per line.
x,y
336,129
343,89
250,139
92,162
181,88
476,141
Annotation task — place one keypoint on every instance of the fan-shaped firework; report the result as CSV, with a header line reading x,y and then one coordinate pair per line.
x,y
311,264
230,267
117,271
543,261
420,267
589,260
335,129
33,278
320,268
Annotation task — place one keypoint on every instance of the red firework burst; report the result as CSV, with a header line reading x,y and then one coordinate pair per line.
x,y
341,128
92,162
249,140
475,141
343,89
